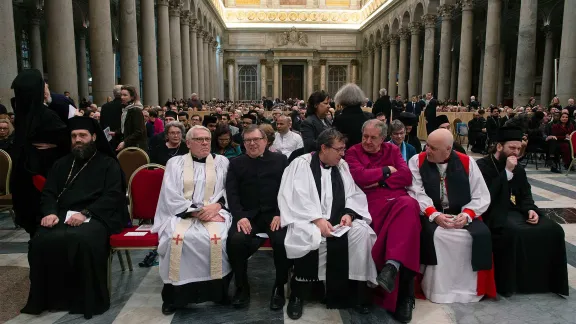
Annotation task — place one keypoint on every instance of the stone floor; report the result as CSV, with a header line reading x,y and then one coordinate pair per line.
x,y
136,295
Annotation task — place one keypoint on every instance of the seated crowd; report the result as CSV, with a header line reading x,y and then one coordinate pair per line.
x,y
362,214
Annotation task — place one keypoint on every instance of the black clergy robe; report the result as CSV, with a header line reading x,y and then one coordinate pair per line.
x,y
528,258
68,265
414,141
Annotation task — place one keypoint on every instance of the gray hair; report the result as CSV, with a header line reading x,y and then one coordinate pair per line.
x,y
190,133
383,92
396,126
378,124
252,129
349,95
117,91
328,136
174,124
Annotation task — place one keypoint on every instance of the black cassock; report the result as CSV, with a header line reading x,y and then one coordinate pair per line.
x,y
68,265
527,258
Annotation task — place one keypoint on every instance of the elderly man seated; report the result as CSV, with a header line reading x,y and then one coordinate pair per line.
x,y
317,194
380,170
456,249
192,226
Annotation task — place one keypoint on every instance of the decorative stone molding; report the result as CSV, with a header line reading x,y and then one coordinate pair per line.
x,y
162,2
175,7
264,62
230,62
326,17
385,43
185,17
393,39
322,62
276,61
404,33
354,62
36,16
446,11
205,36
415,28
292,37
220,52
193,25
466,5
547,31
429,21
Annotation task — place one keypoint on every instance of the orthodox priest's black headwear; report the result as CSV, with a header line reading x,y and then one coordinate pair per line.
x,y
407,118
506,134
91,125
441,119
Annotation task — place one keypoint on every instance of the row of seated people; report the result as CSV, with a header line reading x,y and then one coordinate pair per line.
x,y
440,217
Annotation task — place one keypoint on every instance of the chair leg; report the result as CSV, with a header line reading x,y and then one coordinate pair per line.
x,y
129,260
110,274
13,216
570,167
121,260
536,157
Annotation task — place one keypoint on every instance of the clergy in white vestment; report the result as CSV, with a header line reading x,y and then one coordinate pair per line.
x,y
192,225
318,193
286,141
455,244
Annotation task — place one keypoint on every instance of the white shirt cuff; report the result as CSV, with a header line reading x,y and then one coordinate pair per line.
x,y
509,175
434,215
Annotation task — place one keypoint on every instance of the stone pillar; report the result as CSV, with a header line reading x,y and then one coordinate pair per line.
x,y
501,70
185,37
369,71
212,67
207,87
263,85
164,49
82,67
8,60
149,55
567,66
309,78
481,73
384,65
377,64
194,54
445,63
354,64
36,41
276,92
428,64
129,72
454,77
200,51
323,75
221,69
176,49
403,66
231,79
101,53
364,68
526,52
491,53
548,69
466,53
414,60
393,65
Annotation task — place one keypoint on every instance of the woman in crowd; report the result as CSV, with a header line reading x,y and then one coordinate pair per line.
x,y
270,135
555,103
224,144
6,135
315,122
350,97
562,131
133,126
172,146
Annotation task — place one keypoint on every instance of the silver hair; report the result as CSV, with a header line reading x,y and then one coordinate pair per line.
x,y
190,133
383,92
174,124
378,124
117,91
396,126
349,95
252,129
327,138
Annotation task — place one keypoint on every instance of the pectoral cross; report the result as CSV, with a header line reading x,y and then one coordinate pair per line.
x,y
177,239
215,239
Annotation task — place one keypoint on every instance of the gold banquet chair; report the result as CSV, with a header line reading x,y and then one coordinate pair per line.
x,y
131,158
5,194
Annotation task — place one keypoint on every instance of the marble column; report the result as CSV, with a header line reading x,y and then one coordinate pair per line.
x,y
207,87
149,55
231,79
185,38
369,71
526,52
364,68
221,70
164,52
263,85
548,68
377,64
384,64
176,49
354,64
491,53
8,60
213,75
445,63
101,52
276,79
323,75
501,70
454,78
36,41
194,55
200,51
309,78
567,66
428,64
129,72
403,65
466,53
82,67
414,60
481,73
393,67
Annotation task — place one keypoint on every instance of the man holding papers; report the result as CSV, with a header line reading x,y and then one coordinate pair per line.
x,y
192,225
318,193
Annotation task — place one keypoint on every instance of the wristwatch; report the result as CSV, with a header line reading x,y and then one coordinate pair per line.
x,y
86,213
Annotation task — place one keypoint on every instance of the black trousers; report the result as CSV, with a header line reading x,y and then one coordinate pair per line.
x,y
241,246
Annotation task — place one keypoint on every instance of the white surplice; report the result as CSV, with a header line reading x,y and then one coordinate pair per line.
x,y
452,280
195,262
300,205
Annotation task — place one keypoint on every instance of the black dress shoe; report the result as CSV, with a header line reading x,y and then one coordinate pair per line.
x,y
277,300
363,309
294,309
404,309
168,309
241,297
387,277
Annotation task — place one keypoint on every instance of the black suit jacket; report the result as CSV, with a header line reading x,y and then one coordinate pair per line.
x,y
415,108
310,128
382,105
430,112
349,123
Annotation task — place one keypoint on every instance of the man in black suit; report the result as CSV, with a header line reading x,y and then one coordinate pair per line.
x,y
414,107
383,105
430,113
111,116
397,107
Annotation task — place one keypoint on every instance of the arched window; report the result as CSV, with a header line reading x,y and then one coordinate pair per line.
x,y
247,82
25,50
336,78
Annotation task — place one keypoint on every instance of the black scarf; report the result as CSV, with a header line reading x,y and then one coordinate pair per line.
x,y
306,268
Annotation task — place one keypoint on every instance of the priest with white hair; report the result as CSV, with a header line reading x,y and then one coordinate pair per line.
x,y
455,244
192,223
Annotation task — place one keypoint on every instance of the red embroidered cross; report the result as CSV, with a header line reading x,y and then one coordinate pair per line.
x,y
177,239
215,239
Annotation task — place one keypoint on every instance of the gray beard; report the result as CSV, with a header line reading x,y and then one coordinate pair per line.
x,y
84,151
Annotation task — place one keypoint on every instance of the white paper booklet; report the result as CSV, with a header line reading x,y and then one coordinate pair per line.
x,y
71,212
135,233
340,230
144,228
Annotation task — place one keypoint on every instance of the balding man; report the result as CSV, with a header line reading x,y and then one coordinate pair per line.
x,y
455,245
286,141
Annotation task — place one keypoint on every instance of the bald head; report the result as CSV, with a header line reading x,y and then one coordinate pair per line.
x,y
439,145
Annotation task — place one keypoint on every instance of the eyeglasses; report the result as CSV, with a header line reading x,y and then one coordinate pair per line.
x,y
253,140
341,150
201,140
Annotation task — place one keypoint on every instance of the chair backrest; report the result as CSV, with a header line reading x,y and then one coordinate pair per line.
x,y
572,140
144,191
462,129
5,171
455,125
131,158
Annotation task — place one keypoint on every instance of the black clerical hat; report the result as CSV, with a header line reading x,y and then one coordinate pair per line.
x,y
209,119
82,122
408,119
506,134
442,119
251,117
171,113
